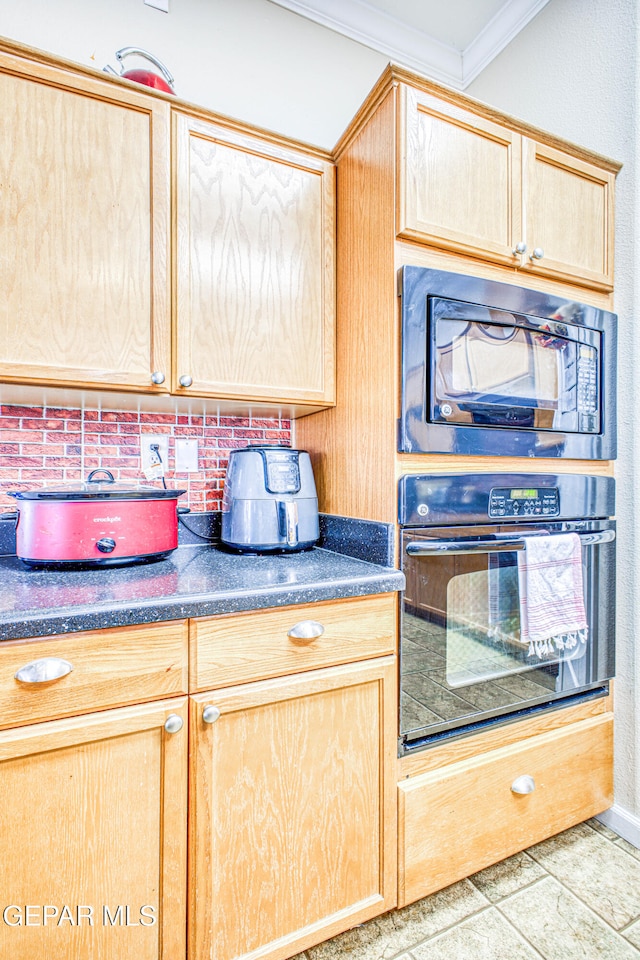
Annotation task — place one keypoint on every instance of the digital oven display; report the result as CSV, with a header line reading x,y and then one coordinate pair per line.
x,y
524,502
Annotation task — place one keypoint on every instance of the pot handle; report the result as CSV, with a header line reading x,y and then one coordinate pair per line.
x,y
128,51
100,470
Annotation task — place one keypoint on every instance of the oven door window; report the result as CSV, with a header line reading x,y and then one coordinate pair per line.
x,y
483,636
463,659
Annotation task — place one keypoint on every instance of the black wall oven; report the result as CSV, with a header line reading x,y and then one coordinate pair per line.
x,y
465,661
494,369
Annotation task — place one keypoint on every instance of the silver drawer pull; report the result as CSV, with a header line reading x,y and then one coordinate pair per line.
x,y
524,784
42,671
173,723
306,630
210,714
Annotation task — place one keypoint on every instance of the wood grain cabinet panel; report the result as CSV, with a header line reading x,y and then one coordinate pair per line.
x,y
292,826
94,819
459,178
461,818
108,668
258,645
568,209
477,187
254,267
84,230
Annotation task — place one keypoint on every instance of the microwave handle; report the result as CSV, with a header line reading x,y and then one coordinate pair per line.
x,y
432,548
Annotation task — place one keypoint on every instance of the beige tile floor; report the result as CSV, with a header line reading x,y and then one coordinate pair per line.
x,y
573,897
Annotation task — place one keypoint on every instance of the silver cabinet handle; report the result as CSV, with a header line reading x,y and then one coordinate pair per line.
x,y
519,248
43,671
523,785
306,630
536,254
173,723
185,380
210,714
157,377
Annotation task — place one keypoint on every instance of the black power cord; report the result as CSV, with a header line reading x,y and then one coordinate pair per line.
x,y
156,448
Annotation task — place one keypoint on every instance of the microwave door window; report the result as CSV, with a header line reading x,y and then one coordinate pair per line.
x,y
478,356
489,373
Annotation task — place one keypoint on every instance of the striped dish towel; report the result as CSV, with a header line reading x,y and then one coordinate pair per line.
x,y
552,613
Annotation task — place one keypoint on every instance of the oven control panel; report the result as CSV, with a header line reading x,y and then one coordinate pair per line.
x,y
524,502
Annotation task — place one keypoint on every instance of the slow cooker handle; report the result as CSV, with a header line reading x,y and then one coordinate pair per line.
x,y
100,470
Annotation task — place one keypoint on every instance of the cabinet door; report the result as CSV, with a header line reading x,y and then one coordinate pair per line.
x,y
465,816
292,829
93,836
568,211
255,272
459,179
84,230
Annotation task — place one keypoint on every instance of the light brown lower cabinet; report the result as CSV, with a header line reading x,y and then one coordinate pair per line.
x,y
92,826
294,821
465,816
292,810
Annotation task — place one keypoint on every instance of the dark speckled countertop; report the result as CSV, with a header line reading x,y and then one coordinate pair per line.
x,y
195,581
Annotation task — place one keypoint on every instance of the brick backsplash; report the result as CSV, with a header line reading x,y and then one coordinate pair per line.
x,y
47,446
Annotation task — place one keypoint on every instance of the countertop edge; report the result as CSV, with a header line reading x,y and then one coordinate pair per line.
x,y
363,579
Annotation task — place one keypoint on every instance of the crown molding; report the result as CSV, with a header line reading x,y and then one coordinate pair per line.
x,y
412,48
500,31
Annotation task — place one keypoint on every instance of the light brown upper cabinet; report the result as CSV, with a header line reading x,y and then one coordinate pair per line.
x,y
568,216
254,271
459,174
473,185
84,230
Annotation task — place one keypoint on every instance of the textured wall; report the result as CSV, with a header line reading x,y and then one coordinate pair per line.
x,y
49,446
575,71
244,58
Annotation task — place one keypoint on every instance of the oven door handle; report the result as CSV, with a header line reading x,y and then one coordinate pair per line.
x,y
431,548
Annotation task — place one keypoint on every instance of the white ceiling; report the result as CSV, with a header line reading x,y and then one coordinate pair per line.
x,y
449,40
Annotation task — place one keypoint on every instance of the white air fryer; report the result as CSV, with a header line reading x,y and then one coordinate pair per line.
x,y
270,502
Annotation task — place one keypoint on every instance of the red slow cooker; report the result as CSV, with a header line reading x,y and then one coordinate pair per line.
x,y
98,522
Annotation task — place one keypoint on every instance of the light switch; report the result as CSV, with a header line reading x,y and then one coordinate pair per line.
x,y
186,455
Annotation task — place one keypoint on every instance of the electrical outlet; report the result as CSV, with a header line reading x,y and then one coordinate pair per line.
x,y
154,455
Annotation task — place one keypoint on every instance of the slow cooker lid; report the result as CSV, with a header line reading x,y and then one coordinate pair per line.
x,y
94,489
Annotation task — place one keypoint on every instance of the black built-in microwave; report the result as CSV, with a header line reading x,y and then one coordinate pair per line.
x,y
493,369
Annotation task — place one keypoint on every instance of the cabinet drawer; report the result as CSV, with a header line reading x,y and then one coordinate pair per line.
x,y
109,668
460,819
255,646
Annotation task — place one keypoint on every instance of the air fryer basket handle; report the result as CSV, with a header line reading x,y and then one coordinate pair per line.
x,y
288,521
